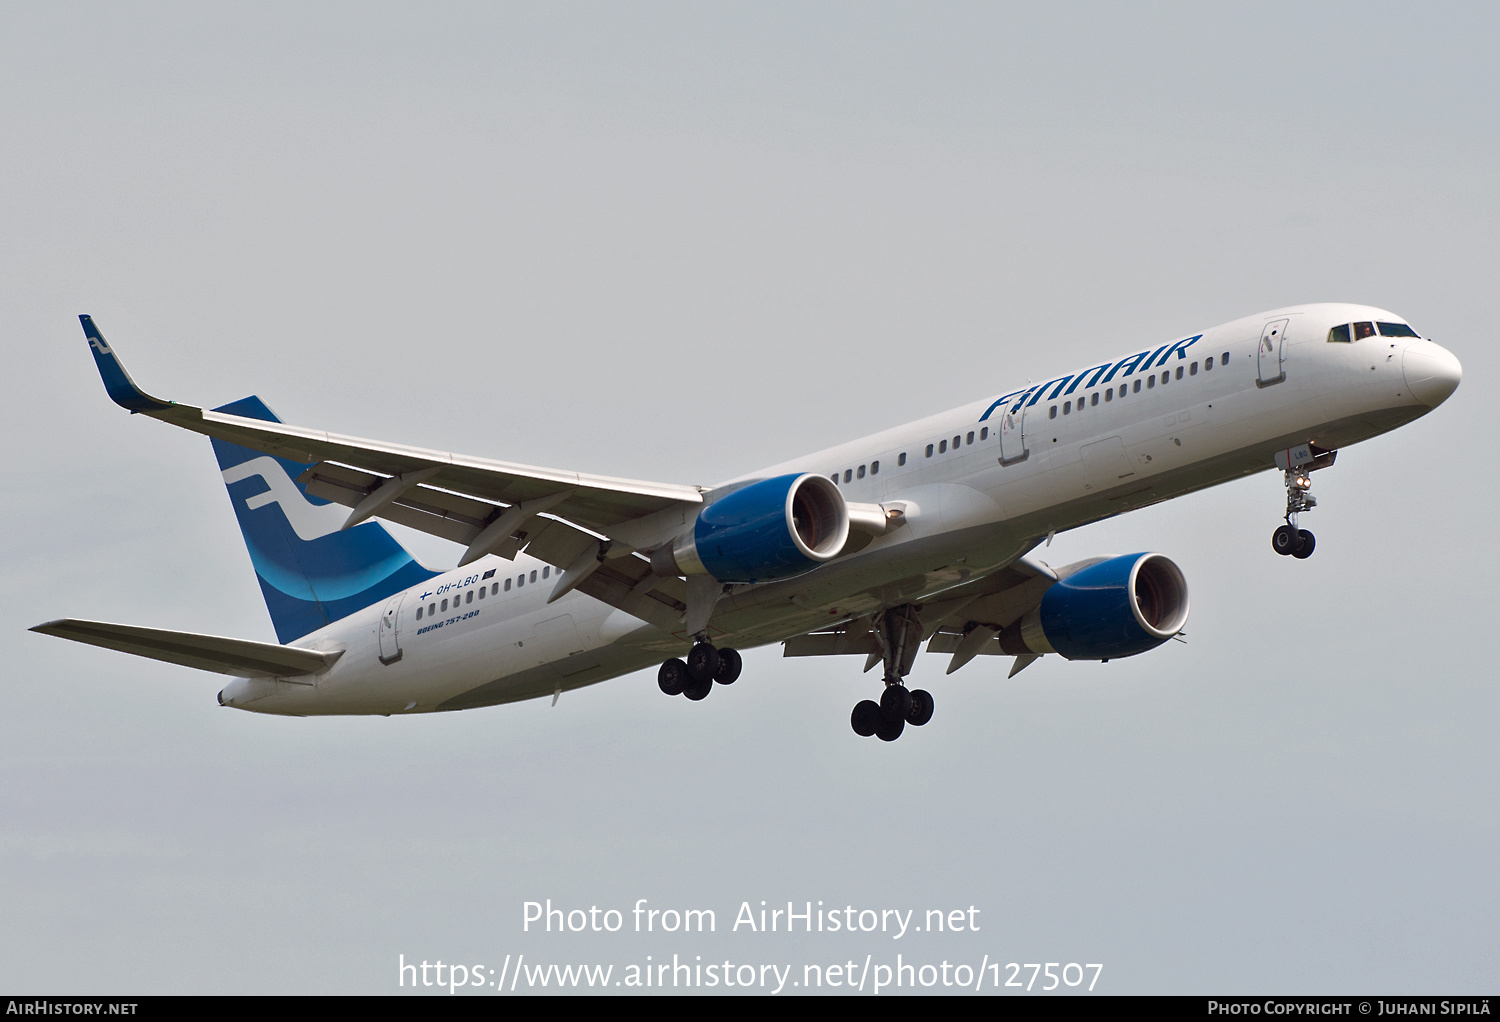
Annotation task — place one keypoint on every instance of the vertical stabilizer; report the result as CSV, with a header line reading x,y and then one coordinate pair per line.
x,y
311,573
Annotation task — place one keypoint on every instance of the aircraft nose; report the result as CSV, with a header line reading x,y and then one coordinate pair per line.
x,y
1431,371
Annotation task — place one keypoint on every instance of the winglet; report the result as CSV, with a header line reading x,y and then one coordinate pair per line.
x,y
117,382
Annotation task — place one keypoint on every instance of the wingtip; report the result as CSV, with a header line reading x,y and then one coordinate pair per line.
x,y
121,389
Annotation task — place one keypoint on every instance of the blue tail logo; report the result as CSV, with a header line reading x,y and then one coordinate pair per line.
x,y
311,572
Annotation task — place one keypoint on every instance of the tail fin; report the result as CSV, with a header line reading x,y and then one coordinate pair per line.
x,y
311,571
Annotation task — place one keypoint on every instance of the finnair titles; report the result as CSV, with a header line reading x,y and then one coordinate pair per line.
x,y
920,537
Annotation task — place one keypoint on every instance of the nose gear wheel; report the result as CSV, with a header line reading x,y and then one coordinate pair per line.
x,y
1288,539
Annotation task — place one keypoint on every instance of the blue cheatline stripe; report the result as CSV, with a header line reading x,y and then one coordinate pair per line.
x,y
311,574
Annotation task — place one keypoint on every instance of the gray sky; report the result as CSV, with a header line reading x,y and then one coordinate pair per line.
x,y
678,242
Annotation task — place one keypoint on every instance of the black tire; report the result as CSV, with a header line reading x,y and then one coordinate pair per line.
x,y
895,703
702,662
673,677
921,708
1305,544
889,730
866,718
730,666
1284,540
697,690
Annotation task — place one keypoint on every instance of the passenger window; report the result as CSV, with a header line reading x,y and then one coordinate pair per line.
x,y
1150,381
874,468
419,613
1136,389
859,473
533,577
901,460
1067,407
1109,395
848,474
546,571
1166,377
520,580
1396,330
445,604
1339,334
1193,369
1207,365
834,477
1179,370
495,588
507,585
929,450
431,609
1224,359
984,434
470,597
483,591
970,438
942,446
955,442
1052,412
1094,399
1363,330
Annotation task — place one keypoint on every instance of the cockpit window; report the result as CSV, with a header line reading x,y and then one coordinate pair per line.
x,y
1396,330
1340,334
1363,330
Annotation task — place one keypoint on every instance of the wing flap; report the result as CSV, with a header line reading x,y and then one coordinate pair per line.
x,y
239,657
831,644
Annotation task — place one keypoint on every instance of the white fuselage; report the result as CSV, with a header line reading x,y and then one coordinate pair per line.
x,y
1080,448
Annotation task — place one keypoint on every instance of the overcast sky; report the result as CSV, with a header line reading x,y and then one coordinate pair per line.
x,y
677,242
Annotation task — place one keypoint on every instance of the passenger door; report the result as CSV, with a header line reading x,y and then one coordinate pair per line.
x,y
1270,355
390,620
1013,432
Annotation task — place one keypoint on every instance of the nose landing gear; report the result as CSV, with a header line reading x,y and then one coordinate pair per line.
x,y
899,632
1288,539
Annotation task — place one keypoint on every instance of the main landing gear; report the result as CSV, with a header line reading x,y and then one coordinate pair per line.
x,y
1288,539
899,632
695,677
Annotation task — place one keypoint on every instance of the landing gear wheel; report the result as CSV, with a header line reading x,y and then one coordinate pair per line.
x,y
730,666
697,690
895,703
702,662
921,708
866,718
673,677
1284,540
1305,544
889,730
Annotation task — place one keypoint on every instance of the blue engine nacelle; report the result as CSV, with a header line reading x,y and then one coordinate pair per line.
x,y
1115,608
772,529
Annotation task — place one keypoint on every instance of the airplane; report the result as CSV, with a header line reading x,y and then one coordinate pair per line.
x,y
922,534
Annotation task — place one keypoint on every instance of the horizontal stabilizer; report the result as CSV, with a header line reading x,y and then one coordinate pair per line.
x,y
240,657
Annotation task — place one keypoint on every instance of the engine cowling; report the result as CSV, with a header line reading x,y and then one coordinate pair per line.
x,y
773,529
1116,608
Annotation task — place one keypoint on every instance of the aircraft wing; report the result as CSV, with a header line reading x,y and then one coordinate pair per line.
x,y
240,657
386,475
965,621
